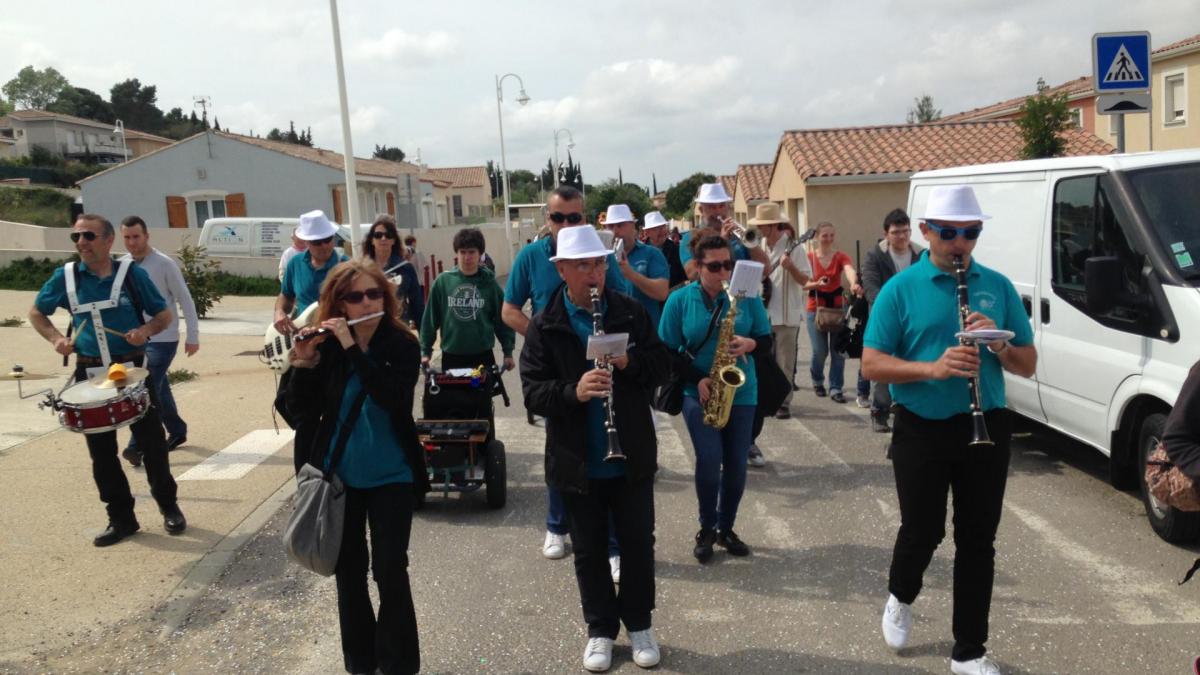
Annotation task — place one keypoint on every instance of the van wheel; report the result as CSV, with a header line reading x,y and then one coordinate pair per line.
x,y
1168,522
495,475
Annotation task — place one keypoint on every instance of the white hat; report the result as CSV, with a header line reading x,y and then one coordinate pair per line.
x,y
579,243
618,213
315,226
713,193
954,203
654,219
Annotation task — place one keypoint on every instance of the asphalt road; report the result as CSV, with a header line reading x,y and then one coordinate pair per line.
x,y
1082,585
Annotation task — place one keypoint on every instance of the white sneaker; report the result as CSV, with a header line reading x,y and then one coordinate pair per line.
x,y
614,566
897,622
555,546
645,648
980,666
598,655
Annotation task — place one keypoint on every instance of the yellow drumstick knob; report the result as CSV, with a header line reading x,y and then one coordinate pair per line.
x,y
116,372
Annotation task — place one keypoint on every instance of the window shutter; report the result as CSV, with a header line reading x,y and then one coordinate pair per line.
x,y
235,205
177,212
391,204
337,206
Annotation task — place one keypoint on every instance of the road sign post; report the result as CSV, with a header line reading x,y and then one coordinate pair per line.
x,y
1121,67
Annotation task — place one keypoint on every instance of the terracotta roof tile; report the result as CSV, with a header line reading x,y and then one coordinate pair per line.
x,y
729,182
376,168
462,176
1186,42
1076,88
755,179
908,148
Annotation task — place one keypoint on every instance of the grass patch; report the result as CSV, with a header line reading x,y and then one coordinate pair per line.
x,y
231,284
35,206
11,322
180,375
29,274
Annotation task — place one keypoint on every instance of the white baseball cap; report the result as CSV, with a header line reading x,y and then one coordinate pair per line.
x,y
654,219
579,243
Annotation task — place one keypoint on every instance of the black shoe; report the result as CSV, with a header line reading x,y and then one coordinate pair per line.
x,y
705,539
175,441
529,417
115,532
783,413
795,387
879,424
133,456
819,390
837,397
729,541
173,520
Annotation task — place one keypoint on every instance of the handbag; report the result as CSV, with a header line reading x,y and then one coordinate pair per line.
x,y
773,385
668,397
1170,485
313,535
828,318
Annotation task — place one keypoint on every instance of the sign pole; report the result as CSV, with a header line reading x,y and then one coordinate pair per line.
x,y
1120,122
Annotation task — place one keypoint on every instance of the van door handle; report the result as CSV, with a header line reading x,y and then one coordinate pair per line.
x,y
1045,310
1027,302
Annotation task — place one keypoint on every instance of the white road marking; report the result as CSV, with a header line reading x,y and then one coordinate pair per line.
x,y
239,457
890,512
814,442
779,535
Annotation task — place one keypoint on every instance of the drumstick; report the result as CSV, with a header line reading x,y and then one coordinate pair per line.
x,y
79,330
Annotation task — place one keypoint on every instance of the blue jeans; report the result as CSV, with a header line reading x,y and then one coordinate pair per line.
x,y
720,462
821,347
864,385
159,356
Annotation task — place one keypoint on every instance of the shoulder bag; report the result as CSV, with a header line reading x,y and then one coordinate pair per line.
x,y
668,397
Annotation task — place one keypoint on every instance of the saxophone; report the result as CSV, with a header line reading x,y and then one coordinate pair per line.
x,y
725,375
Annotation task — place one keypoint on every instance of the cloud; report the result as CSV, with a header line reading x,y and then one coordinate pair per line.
x,y
403,48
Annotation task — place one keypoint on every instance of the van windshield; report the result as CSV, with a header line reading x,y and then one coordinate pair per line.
x,y
1172,204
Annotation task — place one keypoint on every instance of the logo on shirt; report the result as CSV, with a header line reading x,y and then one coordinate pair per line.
x,y
984,301
465,302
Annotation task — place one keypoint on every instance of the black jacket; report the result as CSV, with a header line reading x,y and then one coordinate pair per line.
x,y
1182,434
670,250
552,363
878,267
389,377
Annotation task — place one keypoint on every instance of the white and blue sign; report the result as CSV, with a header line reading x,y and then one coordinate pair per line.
x,y
1121,61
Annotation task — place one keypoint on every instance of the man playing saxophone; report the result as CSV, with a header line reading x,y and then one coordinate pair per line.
x,y
697,320
911,344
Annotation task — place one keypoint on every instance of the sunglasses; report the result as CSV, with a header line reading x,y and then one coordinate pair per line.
x,y
320,242
572,218
86,234
382,234
717,266
951,233
355,297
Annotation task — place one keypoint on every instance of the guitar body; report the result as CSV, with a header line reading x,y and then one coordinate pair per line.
x,y
276,345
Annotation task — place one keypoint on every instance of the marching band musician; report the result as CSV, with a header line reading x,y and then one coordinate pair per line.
x,y
119,337
643,266
688,322
911,344
560,383
305,272
656,234
714,219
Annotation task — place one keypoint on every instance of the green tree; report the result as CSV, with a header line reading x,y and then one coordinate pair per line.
x,y
200,273
388,153
923,110
84,103
5,107
572,174
33,88
177,125
137,105
525,187
680,195
1043,120
611,192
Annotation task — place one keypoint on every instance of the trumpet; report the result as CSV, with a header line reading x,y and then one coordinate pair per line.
x,y
979,432
749,236
614,453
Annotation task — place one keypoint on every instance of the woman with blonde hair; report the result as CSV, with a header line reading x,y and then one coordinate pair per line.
x,y
825,290
354,384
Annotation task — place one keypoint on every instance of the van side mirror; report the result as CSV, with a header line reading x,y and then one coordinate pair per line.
x,y
1102,282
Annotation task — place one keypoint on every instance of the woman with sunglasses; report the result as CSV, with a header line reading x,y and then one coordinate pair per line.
x,y
383,246
825,290
720,453
382,465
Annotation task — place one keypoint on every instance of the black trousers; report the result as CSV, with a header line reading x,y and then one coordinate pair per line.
x,y
387,642
106,465
631,507
931,458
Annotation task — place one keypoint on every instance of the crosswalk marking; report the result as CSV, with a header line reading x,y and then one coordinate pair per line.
x,y
239,457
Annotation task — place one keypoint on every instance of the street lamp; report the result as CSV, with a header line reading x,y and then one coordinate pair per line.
x,y
120,129
522,98
570,145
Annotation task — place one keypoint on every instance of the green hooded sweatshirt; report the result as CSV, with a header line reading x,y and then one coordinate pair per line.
x,y
466,309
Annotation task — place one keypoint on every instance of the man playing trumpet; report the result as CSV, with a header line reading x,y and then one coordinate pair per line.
x,y
714,201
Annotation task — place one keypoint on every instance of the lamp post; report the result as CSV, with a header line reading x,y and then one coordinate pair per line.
x,y
351,177
522,98
120,129
570,144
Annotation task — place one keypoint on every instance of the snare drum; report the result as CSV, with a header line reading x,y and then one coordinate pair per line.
x,y
86,409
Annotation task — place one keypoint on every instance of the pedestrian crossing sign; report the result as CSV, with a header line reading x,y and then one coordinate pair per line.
x,y
1121,61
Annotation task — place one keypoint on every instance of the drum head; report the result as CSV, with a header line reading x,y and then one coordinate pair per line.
x,y
85,392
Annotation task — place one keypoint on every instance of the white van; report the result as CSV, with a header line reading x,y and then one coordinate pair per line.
x,y
255,237
1104,253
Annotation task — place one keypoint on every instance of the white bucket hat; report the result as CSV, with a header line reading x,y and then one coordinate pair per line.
x,y
315,226
618,213
956,203
713,193
579,243
654,219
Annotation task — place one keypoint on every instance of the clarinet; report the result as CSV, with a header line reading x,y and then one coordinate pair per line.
x,y
610,428
979,432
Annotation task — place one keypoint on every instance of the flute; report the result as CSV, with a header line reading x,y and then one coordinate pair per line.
x,y
304,337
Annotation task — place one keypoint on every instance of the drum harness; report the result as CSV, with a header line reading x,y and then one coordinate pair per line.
x,y
72,274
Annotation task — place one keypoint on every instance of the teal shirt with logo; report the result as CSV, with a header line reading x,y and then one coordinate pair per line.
x,y
302,283
535,278
597,468
91,288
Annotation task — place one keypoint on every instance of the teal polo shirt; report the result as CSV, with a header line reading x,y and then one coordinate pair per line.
x,y
737,251
685,320
302,283
534,277
597,468
652,264
373,455
92,288
915,317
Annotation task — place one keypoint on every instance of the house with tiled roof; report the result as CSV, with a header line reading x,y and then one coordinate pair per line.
x,y
853,176
751,185
73,137
462,195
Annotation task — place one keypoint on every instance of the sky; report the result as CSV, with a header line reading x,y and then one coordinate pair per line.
x,y
660,89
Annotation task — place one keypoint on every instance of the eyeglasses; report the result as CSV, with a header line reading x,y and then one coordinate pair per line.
x,y
355,297
589,266
572,218
947,233
320,242
86,234
718,265
382,234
